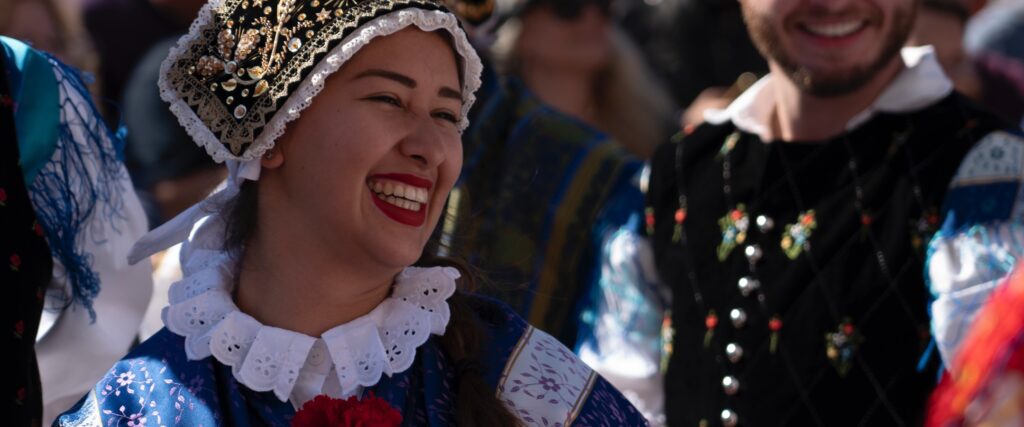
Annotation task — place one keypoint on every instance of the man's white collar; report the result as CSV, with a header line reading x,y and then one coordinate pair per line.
x,y
921,83
295,366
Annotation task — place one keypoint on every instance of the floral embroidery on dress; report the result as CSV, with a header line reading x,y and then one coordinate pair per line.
x,y
139,393
796,237
544,383
734,230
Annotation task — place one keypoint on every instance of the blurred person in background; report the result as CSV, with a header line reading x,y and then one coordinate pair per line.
x,y
999,28
169,172
147,21
546,198
69,216
52,26
699,47
573,57
793,225
991,78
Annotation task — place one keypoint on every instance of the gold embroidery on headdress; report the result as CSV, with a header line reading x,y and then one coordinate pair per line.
x,y
242,67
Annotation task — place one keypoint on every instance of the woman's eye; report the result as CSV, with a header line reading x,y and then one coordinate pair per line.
x,y
387,99
447,116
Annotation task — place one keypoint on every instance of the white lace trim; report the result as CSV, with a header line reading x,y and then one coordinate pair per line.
x,y
295,366
302,97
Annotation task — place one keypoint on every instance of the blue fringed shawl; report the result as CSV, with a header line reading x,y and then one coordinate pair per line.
x,y
70,160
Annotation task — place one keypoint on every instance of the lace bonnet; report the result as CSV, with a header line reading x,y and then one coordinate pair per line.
x,y
248,67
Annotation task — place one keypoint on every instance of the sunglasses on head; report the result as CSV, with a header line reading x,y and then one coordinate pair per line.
x,y
571,9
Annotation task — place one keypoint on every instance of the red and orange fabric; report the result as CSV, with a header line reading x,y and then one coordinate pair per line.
x,y
985,384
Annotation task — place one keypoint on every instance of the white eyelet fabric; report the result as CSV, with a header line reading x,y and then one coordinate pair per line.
x,y
295,366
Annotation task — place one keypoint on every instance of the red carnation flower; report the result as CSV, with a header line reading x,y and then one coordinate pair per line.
x,y
3,197
325,411
15,262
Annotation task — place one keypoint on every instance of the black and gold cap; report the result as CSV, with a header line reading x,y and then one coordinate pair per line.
x,y
248,67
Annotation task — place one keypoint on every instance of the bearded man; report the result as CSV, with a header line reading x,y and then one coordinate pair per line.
x,y
793,226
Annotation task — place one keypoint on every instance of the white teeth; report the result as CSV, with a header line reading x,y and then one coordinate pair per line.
x,y
835,30
404,196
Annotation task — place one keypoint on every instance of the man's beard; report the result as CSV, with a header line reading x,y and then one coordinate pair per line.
x,y
831,84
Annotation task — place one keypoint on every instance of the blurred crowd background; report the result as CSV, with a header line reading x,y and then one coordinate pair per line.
x,y
637,71
634,69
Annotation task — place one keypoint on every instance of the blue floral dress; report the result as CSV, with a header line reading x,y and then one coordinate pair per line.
x,y
538,378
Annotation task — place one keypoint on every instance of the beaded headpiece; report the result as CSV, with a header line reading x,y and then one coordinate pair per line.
x,y
249,66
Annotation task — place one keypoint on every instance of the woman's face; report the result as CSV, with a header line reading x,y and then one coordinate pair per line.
x,y
579,42
369,164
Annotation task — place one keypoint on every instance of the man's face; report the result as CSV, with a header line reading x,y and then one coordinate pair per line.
x,y
829,47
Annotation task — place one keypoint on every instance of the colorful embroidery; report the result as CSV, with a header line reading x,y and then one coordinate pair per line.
x,y
796,237
841,346
734,230
729,144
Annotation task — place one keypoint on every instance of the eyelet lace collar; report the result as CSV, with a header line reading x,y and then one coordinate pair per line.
x,y
295,366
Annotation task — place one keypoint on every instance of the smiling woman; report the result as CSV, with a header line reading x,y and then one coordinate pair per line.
x,y
340,122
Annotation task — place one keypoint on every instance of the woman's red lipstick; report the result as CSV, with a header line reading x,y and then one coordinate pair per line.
x,y
398,214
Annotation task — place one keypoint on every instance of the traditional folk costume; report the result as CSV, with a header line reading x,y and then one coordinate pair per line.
x,y
234,90
77,304
796,267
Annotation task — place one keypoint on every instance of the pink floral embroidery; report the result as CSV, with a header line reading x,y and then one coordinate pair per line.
x,y
140,383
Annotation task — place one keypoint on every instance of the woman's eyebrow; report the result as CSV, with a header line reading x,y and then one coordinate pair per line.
x,y
447,92
402,79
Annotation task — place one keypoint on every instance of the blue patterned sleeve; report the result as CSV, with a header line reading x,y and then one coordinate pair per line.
x,y
155,385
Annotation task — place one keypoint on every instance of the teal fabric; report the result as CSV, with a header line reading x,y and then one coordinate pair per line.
x,y
37,116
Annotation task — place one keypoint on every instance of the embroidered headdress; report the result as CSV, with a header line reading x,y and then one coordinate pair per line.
x,y
248,67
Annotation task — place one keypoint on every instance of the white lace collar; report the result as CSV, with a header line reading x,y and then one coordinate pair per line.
x,y
295,366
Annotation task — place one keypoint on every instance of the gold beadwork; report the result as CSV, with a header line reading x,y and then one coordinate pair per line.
x,y
261,88
209,66
250,58
256,72
323,15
